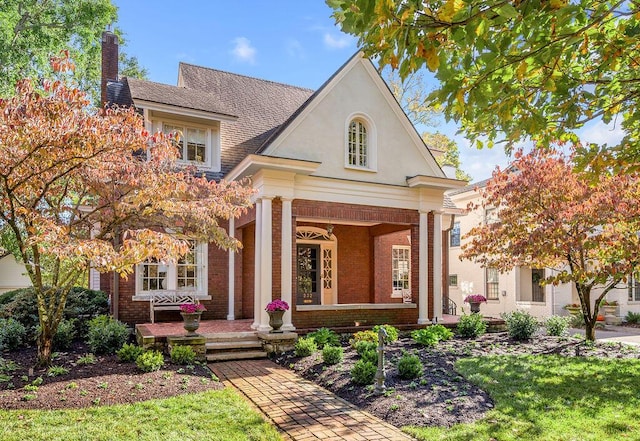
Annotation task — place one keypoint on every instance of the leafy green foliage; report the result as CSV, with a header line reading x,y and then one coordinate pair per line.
x,y
106,335
56,371
363,336
65,334
363,372
86,359
370,356
557,325
305,346
632,317
12,334
183,354
471,325
129,352
365,346
325,336
150,361
409,366
520,325
431,335
332,354
392,333
514,70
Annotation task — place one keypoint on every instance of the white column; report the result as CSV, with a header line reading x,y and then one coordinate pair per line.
x,y
257,266
437,266
232,274
285,262
266,264
423,273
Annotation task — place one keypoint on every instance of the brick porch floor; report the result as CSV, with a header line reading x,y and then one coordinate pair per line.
x,y
301,409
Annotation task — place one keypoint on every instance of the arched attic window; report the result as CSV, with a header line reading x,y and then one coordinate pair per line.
x,y
360,151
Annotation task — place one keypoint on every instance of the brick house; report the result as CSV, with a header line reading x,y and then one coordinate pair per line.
x,y
349,216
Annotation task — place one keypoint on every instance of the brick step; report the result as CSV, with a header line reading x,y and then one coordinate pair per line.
x,y
233,345
231,336
244,355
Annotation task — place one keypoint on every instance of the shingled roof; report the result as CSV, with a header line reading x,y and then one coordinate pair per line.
x,y
263,106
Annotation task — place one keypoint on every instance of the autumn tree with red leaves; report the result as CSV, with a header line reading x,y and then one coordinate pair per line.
x,y
586,228
74,181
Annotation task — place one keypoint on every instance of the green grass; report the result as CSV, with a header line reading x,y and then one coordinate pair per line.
x,y
212,415
550,398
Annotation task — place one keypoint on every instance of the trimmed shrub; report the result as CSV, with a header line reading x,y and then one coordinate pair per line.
x,y
431,335
12,334
365,346
363,336
557,325
128,353
520,325
332,354
106,335
370,356
65,335
150,361
183,354
392,333
82,304
363,372
324,337
471,325
409,366
305,346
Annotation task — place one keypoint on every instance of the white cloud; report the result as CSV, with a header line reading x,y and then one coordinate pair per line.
x,y
295,49
243,51
336,42
601,133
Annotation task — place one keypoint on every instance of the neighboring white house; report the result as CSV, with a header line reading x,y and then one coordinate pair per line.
x,y
12,273
517,289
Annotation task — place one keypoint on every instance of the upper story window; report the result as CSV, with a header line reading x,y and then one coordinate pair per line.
x,y
633,287
454,235
197,144
492,284
491,216
358,144
360,148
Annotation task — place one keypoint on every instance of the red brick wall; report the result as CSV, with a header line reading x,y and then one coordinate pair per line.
x,y
383,246
248,273
218,282
318,319
332,210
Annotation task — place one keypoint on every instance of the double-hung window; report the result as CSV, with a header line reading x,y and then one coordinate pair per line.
x,y
454,235
400,269
187,274
492,285
194,144
633,287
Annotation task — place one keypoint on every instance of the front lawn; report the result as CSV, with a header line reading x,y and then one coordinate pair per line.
x,y
211,415
550,398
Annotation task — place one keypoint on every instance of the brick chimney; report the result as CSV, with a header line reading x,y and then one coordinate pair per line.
x,y
109,62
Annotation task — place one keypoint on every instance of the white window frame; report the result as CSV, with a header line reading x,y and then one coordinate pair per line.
x,y
212,142
371,143
458,235
633,288
397,292
490,280
453,280
171,278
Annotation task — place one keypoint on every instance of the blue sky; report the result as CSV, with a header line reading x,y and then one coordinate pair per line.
x,y
292,41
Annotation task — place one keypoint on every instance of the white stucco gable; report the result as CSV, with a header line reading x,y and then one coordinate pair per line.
x,y
319,131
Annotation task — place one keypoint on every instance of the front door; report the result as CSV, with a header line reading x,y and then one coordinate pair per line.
x,y
308,274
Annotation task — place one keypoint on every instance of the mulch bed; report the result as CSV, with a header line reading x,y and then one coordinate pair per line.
x,y
105,382
440,397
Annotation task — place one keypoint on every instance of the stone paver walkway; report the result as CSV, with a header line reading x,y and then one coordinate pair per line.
x,y
301,409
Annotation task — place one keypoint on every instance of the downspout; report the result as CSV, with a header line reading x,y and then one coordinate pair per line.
x,y
115,291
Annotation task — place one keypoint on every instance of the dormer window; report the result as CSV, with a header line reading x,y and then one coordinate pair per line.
x,y
197,144
192,143
360,148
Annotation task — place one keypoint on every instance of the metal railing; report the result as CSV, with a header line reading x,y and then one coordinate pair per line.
x,y
450,307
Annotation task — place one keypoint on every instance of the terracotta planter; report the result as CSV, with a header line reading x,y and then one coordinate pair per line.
x,y
275,320
191,322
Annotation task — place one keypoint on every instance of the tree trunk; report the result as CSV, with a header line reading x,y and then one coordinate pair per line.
x,y
45,346
590,330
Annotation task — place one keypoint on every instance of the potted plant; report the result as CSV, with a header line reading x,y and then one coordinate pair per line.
x,y
276,310
474,301
191,313
573,308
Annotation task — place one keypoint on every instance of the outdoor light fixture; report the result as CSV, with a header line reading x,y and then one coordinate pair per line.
x,y
329,229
